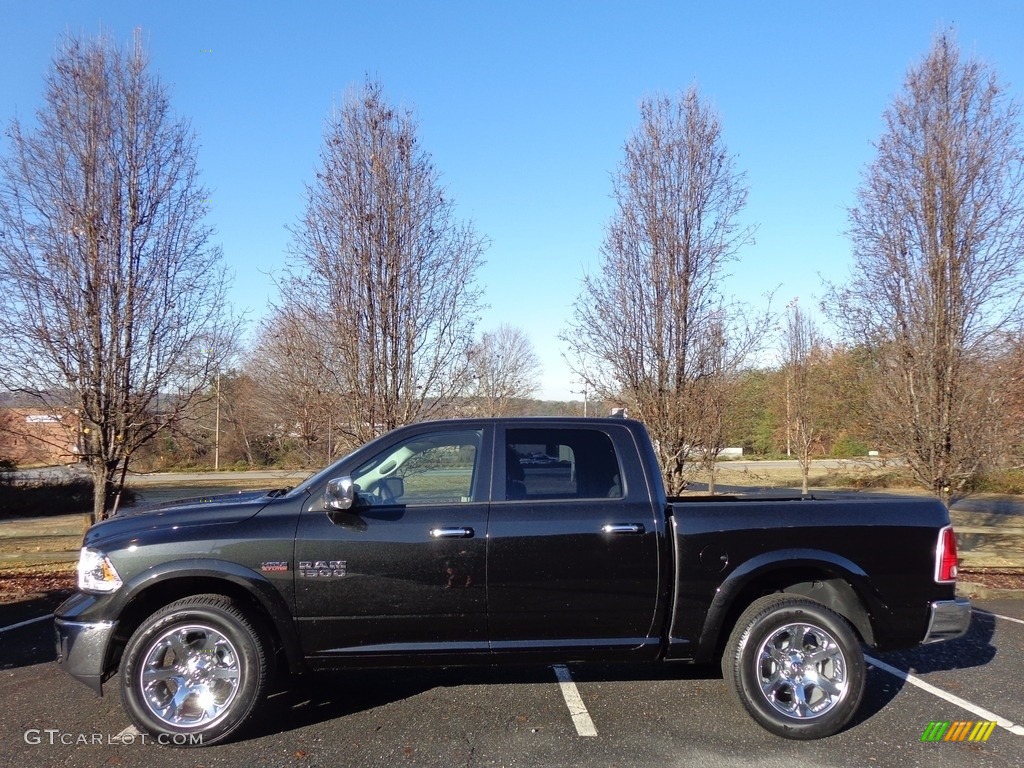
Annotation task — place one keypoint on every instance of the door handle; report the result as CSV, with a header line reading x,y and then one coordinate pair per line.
x,y
451,533
623,528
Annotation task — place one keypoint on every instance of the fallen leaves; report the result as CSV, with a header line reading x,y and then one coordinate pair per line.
x,y
20,584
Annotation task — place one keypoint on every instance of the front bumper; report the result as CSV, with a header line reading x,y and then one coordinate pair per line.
x,y
949,619
82,649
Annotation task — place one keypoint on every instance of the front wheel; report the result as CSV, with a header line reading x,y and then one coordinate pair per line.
x,y
194,671
796,666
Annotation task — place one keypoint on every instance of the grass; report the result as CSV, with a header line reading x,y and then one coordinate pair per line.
x,y
1006,481
866,476
867,479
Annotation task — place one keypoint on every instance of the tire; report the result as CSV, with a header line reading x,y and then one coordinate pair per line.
x,y
796,666
194,672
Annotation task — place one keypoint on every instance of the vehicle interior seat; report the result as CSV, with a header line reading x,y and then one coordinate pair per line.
x,y
515,488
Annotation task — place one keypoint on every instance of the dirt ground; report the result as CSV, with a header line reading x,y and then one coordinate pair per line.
x,y
995,578
19,584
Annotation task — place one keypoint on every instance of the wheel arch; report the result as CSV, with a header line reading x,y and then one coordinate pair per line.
x,y
184,578
826,578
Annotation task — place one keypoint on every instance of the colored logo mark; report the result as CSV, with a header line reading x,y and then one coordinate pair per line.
x,y
959,730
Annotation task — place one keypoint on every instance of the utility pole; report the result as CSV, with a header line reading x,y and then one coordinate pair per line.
x,y
216,430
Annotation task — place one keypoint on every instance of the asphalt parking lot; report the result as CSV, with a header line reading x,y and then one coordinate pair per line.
x,y
536,716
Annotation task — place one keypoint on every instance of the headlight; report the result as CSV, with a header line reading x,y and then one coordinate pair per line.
x,y
96,573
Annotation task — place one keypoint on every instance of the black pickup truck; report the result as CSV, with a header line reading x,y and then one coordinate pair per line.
x,y
497,541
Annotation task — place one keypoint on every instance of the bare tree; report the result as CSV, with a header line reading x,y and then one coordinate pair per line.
x,y
382,281
504,369
295,394
1013,436
731,337
112,301
801,343
247,426
938,234
8,437
639,324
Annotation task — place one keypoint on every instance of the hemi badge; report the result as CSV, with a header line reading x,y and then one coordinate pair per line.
x,y
274,565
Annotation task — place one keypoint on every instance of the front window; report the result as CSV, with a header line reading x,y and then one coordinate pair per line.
x,y
429,468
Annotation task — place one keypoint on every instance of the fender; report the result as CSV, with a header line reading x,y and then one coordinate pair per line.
x,y
760,569
251,582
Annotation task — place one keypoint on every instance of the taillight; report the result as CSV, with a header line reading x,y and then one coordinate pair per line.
x,y
945,556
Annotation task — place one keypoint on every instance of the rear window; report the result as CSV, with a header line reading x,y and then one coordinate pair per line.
x,y
551,464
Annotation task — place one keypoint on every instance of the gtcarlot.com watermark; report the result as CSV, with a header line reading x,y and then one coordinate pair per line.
x,y
127,737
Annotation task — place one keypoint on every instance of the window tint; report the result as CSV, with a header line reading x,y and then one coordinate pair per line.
x,y
548,464
434,468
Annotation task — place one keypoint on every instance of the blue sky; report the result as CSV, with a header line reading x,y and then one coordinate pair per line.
x,y
524,107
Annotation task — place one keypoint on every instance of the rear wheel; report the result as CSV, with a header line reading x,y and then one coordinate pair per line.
x,y
194,671
796,666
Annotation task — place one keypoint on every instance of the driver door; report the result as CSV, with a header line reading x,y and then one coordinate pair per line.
x,y
404,569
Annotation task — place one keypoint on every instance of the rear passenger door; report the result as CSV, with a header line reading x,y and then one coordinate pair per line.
x,y
572,549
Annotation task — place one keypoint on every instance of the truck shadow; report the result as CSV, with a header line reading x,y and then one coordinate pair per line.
x,y
27,638
974,649
308,699
315,698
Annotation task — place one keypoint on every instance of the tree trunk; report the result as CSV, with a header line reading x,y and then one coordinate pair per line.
x,y
103,489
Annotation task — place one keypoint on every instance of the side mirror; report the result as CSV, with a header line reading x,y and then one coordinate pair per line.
x,y
340,494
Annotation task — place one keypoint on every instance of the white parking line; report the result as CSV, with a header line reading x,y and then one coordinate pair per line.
x,y
1000,616
974,709
26,623
577,709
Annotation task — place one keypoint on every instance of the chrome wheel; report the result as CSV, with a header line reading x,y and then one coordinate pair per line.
x,y
796,665
802,670
189,676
